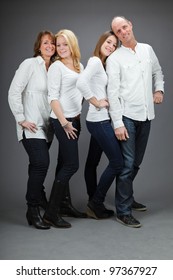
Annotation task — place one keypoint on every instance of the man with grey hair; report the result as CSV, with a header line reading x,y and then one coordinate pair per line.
x,y
135,83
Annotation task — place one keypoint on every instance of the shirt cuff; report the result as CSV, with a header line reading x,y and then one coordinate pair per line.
x,y
20,118
118,124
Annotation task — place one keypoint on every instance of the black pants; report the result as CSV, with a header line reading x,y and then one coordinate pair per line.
x,y
68,158
38,152
93,159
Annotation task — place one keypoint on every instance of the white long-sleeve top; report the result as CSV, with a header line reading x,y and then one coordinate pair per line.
x,y
133,76
27,98
62,87
92,83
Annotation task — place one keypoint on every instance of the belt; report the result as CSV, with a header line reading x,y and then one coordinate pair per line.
x,y
74,118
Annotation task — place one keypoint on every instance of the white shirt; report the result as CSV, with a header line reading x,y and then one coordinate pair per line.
x,y
131,78
28,98
62,87
92,83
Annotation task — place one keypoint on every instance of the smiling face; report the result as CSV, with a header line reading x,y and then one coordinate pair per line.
x,y
47,46
62,47
123,29
109,46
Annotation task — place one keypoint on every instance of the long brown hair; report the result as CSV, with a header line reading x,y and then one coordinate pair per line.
x,y
102,39
37,43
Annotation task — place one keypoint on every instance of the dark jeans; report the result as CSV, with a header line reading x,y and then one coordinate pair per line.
x,y
38,152
133,152
68,158
92,161
104,134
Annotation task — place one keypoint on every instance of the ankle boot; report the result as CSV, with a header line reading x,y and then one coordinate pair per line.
x,y
34,218
43,202
98,211
108,211
52,215
66,207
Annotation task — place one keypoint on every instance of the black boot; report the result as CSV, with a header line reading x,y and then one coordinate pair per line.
x,y
34,218
52,215
67,209
43,202
108,211
98,211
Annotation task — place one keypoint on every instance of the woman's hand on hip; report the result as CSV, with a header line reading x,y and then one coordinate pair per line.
x,y
29,126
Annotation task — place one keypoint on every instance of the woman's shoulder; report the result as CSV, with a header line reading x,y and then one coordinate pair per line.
x,y
27,63
95,61
57,64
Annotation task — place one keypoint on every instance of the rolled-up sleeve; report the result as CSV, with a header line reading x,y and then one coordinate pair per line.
x,y
54,82
158,78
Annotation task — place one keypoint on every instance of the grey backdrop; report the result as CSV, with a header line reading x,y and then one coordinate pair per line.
x,y
20,21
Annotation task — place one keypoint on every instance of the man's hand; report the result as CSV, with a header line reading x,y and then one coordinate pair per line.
x,y
158,97
121,133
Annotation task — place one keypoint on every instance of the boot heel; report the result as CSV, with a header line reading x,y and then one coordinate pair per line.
x,y
28,220
91,214
34,218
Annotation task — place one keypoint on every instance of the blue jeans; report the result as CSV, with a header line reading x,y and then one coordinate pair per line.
x,y
68,158
104,134
38,153
133,151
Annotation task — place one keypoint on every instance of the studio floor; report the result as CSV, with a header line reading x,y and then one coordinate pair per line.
x,y
89,239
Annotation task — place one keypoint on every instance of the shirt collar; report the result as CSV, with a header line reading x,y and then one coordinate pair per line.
x,y
40,59
129,49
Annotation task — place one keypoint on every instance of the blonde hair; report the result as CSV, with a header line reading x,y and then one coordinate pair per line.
x,y
72,42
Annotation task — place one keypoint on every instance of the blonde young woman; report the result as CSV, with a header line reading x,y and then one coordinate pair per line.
x,y
92,83
29,105
66,103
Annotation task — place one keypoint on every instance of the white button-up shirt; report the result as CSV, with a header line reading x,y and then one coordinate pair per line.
x,y
132,78
28,98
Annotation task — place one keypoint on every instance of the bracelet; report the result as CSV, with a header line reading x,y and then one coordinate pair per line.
x,y
65,125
